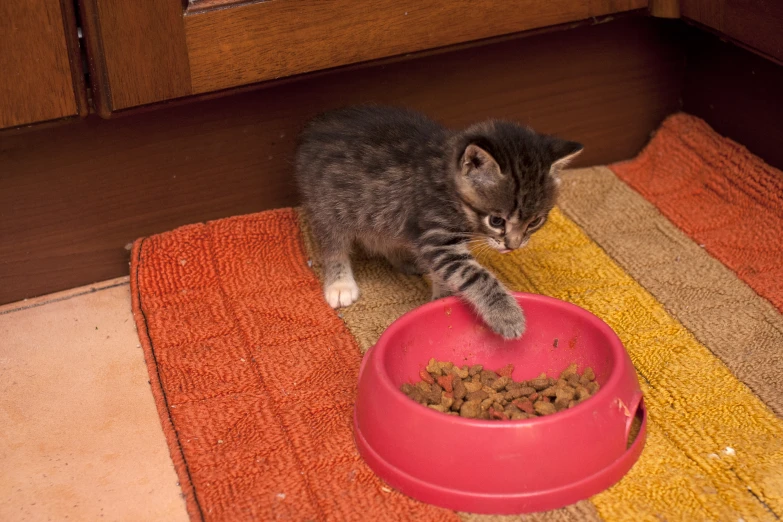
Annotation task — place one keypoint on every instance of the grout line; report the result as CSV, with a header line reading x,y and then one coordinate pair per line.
x,y
63,298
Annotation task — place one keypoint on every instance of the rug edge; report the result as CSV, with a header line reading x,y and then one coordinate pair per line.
x,y
156,387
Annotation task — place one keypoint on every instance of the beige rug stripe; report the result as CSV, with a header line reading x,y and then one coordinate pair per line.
x,y
741,328
386,295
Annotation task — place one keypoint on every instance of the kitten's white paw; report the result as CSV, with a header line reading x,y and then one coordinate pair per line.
x,y
341,293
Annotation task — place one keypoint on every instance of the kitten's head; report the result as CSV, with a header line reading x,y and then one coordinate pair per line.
x,y
506,177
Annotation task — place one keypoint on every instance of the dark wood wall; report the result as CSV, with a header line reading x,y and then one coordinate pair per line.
x,y
72,196
739,93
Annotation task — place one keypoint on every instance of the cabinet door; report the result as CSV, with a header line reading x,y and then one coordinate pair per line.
x,y
147,51
41,76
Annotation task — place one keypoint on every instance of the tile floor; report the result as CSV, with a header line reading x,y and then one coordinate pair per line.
x,y
80,437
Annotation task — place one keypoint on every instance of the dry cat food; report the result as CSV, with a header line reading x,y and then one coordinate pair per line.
x,y
476,393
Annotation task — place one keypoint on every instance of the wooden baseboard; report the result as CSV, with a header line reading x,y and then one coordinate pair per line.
x,y
72,196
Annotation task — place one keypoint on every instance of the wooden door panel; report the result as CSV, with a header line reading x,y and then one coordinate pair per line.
x,y
757,24
266,40
41,76
137,52
148,51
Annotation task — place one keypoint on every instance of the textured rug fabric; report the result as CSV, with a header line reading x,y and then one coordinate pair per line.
x,y
237,338
726,199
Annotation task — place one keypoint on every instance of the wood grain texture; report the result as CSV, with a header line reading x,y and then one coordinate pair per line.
x,y
137,51
265,40
757,24
736,92
90,188
36,81
665,8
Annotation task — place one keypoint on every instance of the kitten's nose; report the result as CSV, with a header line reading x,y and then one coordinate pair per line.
x,y
513,241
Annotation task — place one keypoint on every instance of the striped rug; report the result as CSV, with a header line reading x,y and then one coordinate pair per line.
x,y
678,250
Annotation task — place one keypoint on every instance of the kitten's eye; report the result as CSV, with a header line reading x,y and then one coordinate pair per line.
x,y
497,222
536,222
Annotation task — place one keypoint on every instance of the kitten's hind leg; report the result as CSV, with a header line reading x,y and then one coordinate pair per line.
x,y
340,288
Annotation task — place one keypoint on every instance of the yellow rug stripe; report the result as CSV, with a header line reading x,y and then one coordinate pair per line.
x,y
714,451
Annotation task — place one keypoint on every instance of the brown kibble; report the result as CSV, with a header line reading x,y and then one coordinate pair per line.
x,y
582,393
566,393
540,383
475,392
436,392
478,395
446,402
544,408
472,386
470,409
488,377
568,372
417,395
462,373
433,367
514,393
501,383
459,389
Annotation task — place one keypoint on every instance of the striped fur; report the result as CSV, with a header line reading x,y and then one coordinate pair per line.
x,y
420,195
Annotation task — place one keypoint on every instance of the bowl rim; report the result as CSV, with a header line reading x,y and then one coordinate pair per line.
x,y
615,344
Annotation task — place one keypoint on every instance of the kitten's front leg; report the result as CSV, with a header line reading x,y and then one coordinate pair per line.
x,y
455,269
340,288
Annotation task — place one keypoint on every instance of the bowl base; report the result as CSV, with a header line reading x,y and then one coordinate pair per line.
x,y
502,504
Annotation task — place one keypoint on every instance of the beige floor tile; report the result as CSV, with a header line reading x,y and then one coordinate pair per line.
x,y
80,437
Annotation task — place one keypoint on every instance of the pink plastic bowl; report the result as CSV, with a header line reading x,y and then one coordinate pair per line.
x,y
498,467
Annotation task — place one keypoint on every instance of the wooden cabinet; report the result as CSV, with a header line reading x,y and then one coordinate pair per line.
x,y
41,76
148,51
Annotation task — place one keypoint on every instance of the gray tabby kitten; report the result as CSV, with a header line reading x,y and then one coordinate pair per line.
x,y
419,194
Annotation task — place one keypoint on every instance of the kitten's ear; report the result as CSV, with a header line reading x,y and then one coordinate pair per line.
x,y
479,165
563,152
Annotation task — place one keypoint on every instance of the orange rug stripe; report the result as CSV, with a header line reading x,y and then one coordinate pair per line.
x,y
719,194
254,377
